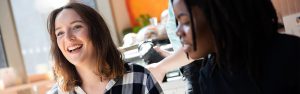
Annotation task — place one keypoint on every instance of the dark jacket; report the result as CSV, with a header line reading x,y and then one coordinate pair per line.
x,y
280,72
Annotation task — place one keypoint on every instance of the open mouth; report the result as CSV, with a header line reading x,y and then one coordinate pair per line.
x,y
74,48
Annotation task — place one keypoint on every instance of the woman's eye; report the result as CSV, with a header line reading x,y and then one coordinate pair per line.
x,y
59,34
187,23
77,27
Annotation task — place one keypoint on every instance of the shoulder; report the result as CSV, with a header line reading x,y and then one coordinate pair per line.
x,y
288,39
286,44
54,90
137,76
282,63
131,67
283,55
138,72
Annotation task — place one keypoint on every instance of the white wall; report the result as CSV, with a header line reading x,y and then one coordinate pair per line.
x,y
121,15
104,8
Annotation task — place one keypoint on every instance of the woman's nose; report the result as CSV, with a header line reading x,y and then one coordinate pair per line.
x,y
70,36
179,31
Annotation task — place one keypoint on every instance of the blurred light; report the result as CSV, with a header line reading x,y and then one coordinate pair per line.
x,y
45,49
38,50
31,51
24,52
45,6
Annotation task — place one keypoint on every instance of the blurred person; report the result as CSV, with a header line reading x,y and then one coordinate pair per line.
x,y
147,33
129,40
86,61
155,31
242,50
161,32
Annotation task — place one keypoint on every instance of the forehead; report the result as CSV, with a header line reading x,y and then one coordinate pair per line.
x,y
66,16
179,6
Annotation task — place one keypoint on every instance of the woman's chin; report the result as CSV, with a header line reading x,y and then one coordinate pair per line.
x,y
194,55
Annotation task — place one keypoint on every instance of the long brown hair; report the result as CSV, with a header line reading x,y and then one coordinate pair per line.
x,y
109,59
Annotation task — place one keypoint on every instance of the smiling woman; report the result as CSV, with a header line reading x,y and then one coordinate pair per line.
x,y
86,59
72,37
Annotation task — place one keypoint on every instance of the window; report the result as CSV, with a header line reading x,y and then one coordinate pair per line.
x,y
3,62
31,24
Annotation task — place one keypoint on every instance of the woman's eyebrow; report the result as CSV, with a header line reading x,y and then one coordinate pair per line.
x,y
80,21
180,15
75,21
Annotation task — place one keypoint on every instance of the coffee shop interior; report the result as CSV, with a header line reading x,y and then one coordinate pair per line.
x,y
135,26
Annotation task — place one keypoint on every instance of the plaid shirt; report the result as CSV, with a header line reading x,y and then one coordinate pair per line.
x,y
137,80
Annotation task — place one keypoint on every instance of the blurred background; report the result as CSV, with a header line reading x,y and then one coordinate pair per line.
x,y
25,61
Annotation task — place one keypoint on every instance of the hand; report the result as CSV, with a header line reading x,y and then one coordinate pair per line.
x,y
163,53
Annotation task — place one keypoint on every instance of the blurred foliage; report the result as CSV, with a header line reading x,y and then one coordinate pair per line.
x,y
142,20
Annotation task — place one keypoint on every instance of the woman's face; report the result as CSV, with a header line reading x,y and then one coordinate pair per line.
x,y
72,36
203,38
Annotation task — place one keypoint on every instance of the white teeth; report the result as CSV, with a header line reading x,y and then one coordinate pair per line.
x,y
71,48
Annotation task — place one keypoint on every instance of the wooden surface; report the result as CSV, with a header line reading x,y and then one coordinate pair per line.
x,y
286,7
